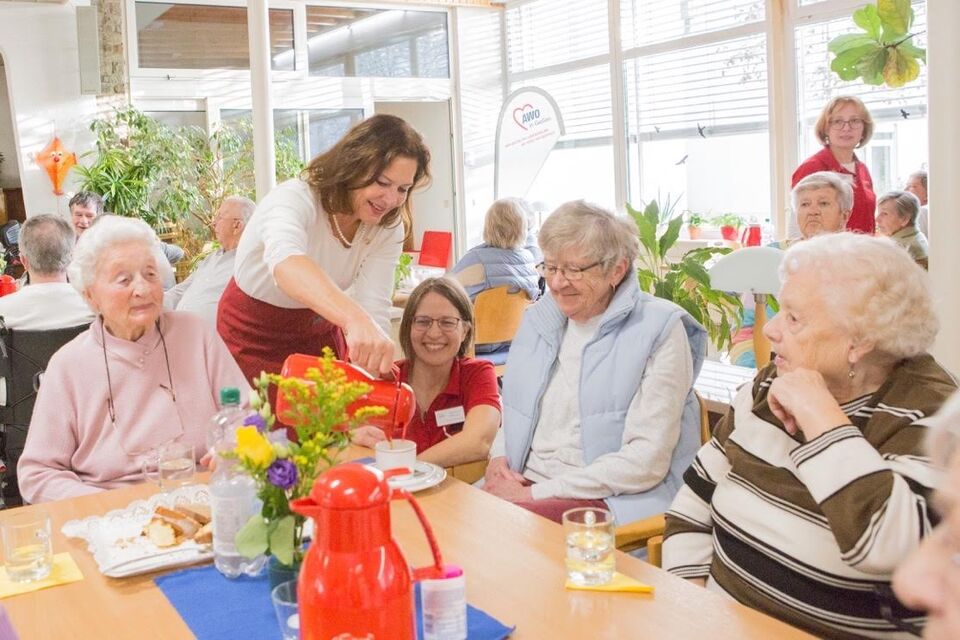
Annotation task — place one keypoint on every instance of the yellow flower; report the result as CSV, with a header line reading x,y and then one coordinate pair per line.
x,y
253,446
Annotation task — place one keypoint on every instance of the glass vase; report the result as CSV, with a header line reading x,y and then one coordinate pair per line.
x,y
278,573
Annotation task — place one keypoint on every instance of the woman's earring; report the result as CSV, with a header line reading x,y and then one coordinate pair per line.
x,y
851,373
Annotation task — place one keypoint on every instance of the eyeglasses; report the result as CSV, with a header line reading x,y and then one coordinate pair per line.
x,y
446,324
840,123
893,612
111,409
571,274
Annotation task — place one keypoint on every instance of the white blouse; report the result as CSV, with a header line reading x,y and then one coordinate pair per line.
x,y
289,221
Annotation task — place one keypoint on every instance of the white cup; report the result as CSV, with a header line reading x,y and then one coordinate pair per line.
x,y
394,454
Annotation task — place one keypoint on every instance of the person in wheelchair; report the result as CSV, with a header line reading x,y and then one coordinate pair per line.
x,y
138,378
48,302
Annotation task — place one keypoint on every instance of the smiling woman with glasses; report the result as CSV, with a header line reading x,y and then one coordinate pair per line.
x,y
458,403
138,378
845,125
599,409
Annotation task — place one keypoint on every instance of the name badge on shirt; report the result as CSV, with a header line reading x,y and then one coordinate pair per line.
x,y
453,415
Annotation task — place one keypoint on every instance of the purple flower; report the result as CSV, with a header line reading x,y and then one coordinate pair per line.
x,y
282,473
256,420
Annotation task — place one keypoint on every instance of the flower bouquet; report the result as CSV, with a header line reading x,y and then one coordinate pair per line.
x,y
321,414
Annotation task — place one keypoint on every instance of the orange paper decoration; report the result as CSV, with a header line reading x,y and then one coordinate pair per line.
x,y
57,162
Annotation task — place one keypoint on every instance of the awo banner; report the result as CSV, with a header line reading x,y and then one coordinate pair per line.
x,y
530,124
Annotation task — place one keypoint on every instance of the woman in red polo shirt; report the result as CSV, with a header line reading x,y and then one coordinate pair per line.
x,y
458,403
845,125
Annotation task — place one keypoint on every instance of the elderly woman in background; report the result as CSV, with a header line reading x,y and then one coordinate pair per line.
x,y
822,203
138,378
930,577
816,484
897,218
458,402
845,125
917,185
598,403
501,259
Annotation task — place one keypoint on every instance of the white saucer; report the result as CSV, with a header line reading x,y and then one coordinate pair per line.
x,y
425,475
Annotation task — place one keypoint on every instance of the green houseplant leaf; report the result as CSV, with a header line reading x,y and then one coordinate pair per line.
x,y
884,51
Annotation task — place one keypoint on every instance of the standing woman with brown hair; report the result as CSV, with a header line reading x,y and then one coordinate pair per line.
x,y
315,263
845,125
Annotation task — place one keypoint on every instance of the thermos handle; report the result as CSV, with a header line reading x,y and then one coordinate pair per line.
x,y
423,573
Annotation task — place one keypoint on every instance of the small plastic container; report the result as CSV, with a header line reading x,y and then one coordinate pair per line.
x,y
444,605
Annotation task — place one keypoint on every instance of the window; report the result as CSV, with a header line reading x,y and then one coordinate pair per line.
x,y
649,21
549,32
191,36
375,43
697,127
305,134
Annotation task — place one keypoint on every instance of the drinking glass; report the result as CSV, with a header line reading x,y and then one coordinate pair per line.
x,y
284,597
170,465
27,548
590,545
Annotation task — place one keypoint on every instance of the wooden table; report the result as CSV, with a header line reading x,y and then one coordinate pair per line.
x,y
513,561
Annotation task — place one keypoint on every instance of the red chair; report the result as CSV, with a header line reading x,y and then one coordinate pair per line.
x,y
435,249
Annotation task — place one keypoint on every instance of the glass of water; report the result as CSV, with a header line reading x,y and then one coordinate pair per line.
x,y
171,465
27,547
590,545
284,597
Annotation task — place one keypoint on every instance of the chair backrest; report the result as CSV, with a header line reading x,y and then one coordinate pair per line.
x,y
23,358
435,249
497,314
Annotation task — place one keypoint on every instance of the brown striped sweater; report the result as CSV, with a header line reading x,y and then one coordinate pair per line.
x,y
804,530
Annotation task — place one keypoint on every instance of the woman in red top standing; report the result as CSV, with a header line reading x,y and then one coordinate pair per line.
x,y
458,402
845,125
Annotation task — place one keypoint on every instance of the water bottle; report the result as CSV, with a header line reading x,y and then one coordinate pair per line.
x,y
233,493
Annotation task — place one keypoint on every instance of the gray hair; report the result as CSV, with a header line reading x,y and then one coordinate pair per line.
x,y
87,199
246,206
505,225
841,184
907,204
595,232
47,243
109,232
874,288
920,175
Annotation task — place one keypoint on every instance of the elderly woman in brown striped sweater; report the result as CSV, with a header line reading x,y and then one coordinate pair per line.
x,y
816,483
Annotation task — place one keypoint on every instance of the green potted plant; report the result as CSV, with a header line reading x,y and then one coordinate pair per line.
x,y
729,224
685,281
694,223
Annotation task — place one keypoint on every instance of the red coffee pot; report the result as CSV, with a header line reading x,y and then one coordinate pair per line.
x,y
397,397
354,579
751,236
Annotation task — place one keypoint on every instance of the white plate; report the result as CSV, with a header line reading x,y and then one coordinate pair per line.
x,y
424,476
118,548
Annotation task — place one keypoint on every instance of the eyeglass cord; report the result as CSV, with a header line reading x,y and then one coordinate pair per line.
x,y
166,359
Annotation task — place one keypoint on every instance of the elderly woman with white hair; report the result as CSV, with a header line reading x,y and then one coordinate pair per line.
x,y
598,402
138,378
501,260
897,213
816,483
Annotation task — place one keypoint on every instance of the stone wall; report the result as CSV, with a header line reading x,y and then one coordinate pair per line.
x,y
114,77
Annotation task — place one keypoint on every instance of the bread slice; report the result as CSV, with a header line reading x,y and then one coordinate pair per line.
x,y
183,525
199,512
205,534
160,533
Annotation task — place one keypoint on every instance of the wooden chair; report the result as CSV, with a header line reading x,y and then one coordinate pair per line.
x,y
497,315
649,531
468,472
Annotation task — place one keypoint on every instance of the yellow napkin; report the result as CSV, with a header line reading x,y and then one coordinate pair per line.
x,y
64,571
620,582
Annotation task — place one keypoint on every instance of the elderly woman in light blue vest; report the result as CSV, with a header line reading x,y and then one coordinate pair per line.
x,y
598,402
502,259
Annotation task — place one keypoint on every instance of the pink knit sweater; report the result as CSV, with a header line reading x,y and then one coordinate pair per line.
x,y
72,448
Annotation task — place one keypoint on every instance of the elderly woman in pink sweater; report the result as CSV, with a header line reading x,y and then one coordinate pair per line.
x,y
138,378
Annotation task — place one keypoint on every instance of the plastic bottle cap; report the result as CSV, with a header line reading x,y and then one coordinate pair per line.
x,y
451,571
229,395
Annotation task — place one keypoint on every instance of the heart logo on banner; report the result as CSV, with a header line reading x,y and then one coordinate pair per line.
x,y
518,115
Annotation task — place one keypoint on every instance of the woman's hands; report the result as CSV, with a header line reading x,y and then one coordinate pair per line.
x,y
802,402
504,482
369,346
367,436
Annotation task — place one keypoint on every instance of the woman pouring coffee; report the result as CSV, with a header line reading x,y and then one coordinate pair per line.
x,y
315,263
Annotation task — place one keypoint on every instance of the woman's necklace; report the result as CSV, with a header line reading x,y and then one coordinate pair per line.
x,y
336,228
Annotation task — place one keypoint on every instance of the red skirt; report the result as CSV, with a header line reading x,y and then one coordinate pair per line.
x,y
261,336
